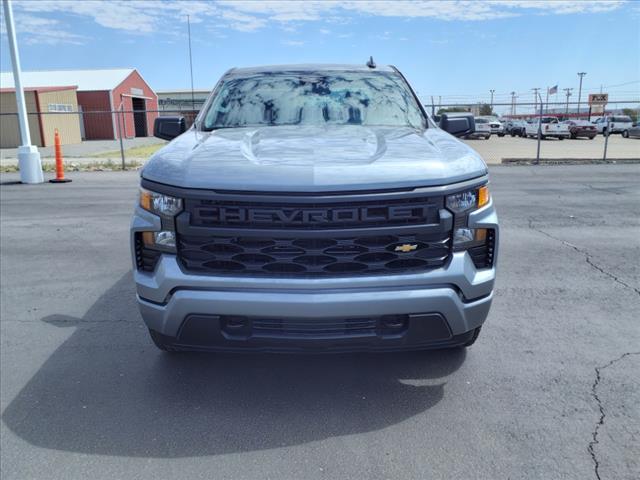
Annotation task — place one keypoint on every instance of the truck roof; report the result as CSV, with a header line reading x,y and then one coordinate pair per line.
x,y
309,67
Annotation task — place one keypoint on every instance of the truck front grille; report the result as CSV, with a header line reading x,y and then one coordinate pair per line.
x,y
313,236
322,256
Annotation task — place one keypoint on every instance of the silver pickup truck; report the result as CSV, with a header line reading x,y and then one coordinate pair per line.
x,y
314,208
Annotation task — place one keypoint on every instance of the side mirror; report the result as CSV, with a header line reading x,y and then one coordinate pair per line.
x,y
458,124
168,128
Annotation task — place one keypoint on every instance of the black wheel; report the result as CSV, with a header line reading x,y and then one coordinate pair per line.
x,y
625,133
501,134
560,138
162,342
472,340
543,137
513,134
591,138
487,137
573,136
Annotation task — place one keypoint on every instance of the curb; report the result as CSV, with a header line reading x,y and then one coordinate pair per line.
x,y
567,161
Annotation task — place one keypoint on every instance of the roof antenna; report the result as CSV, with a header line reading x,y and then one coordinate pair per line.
x,y
371,63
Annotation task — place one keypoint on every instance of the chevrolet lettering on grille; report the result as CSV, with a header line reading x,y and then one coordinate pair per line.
x,y
311,216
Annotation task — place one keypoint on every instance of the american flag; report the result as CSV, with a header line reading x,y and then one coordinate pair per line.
x,y
553,90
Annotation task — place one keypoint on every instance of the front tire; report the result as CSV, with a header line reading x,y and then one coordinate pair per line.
x,y
625,133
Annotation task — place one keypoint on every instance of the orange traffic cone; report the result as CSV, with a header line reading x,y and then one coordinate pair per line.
x,y
59,165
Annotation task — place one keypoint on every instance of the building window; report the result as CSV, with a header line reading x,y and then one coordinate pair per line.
x,y
60,107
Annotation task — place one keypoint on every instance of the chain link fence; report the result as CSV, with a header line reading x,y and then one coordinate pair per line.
x,y
124,138
552,132
107,138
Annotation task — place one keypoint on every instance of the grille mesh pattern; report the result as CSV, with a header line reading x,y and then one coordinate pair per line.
x,y
313,256
316,327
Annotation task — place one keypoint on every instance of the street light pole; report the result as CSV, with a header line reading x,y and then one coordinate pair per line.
x,y
193,100
28,155
535,96
492,92
513,103
580,74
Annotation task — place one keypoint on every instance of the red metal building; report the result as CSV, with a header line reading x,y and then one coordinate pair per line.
x,y
112,102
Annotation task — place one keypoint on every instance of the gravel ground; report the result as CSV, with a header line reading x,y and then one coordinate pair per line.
x,y
551,389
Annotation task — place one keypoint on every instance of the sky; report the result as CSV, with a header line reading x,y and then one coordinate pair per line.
x,y
456,50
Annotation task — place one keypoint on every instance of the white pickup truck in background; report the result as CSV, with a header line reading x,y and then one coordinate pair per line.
x,y
551,127
616,123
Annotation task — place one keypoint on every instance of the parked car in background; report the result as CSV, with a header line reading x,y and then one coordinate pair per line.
x,y
496,127
483,130
551,127
616,123
515,128
633,132
581,128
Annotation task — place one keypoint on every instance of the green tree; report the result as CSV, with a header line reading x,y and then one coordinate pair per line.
x,y
485,109
452,110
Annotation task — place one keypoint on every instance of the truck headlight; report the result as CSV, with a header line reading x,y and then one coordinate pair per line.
x,y
160,203
149,244
162,240
464,202
461,204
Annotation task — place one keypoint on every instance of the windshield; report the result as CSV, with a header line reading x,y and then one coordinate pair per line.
x,y
620,119
481,120
327,98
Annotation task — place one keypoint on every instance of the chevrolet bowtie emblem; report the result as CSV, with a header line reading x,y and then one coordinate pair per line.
x,y
407,247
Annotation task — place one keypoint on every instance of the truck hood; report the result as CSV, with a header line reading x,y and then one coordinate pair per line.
x,y
337,158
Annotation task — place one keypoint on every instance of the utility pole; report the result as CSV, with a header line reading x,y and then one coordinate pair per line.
x,y
535,99
193,100
28,155
513,103
492,92
568,93
539,131
546,102
580,74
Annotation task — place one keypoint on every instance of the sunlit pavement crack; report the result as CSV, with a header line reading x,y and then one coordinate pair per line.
x,y
594,394
588,257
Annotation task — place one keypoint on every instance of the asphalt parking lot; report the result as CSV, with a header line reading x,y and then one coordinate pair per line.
x,y
551,389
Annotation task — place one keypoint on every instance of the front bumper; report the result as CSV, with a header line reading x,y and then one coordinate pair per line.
x,y
451,301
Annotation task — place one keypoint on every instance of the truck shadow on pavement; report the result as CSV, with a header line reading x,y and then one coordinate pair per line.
x,y
106,390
